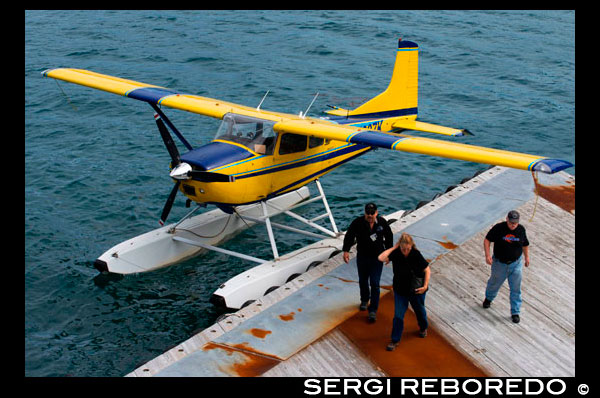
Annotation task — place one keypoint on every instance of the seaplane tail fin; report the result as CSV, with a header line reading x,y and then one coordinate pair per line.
x,y
400,97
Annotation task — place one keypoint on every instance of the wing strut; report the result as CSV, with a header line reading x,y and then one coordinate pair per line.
x,y
172,127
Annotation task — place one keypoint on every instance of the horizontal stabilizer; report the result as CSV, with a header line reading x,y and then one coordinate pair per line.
x,y
338,112
408,124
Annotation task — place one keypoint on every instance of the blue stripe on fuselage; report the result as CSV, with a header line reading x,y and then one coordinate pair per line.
x,y
303,162
279,191
300,181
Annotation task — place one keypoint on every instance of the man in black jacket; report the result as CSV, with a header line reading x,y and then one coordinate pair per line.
x,y
373,235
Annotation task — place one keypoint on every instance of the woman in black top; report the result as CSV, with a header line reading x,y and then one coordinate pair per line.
x,y
408,264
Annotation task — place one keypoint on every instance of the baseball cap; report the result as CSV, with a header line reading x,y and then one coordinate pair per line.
x,y
513,216
370,208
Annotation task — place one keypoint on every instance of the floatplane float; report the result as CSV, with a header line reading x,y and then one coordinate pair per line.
x,y
259,165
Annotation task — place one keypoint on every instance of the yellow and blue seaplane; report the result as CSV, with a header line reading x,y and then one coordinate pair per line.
x,y
259,164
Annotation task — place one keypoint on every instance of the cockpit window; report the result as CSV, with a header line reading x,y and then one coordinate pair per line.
x,y
255,134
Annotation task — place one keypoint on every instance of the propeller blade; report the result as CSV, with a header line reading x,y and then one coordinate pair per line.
x,y
169,204
208,176
169,143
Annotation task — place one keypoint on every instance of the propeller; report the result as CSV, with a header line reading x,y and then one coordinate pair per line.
x,y
175,161
181,170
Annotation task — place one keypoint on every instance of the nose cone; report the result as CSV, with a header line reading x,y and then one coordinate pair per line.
x,y
181,172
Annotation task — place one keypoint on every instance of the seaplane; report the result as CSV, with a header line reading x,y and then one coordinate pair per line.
x,y
259,165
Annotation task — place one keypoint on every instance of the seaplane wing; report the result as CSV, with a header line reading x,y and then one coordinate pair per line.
x,y
148,93
427,146
317,127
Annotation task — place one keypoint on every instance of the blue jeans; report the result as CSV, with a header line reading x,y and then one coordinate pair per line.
x,y
417,302
369,275
501,272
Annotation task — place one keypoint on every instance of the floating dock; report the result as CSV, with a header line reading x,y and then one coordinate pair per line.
x,y
311,326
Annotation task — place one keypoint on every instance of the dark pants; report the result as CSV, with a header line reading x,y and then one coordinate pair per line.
x,y
369,274
417,302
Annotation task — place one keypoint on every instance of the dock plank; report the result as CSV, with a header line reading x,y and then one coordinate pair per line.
x,y
332,355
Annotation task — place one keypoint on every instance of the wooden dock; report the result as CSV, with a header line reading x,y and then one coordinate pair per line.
x,y
312,327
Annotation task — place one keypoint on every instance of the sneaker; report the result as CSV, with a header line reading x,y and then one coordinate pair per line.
x,y
391,346
372,317
363,306
516,318
423,333
486,303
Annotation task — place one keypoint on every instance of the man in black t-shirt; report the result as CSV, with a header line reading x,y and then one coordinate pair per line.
x,y
373,235
511,251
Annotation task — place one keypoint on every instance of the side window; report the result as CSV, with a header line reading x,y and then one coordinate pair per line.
x,y
314,141
291,143
265,138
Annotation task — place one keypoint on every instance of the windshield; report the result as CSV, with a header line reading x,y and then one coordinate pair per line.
x,y
255,134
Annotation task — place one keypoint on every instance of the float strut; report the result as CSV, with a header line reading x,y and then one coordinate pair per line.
x,y
270,230
333,226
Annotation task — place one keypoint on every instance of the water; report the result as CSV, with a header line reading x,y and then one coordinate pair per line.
x,y
96,169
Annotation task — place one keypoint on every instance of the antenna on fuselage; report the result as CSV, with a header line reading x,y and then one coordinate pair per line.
x,y
262,100
303,115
